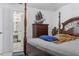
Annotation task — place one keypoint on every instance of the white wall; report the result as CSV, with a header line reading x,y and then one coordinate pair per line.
x,y
31,12
6,27
67,12
52,17
1,30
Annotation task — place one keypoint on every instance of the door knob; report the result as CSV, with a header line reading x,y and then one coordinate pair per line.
x,y
0,32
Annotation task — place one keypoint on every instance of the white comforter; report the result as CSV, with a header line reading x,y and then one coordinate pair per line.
x,y
70,48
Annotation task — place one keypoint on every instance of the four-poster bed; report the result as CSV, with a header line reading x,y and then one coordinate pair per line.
x,y
72,23
69,48
59,24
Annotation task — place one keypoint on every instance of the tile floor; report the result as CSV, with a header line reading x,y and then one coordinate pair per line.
x,y
17,47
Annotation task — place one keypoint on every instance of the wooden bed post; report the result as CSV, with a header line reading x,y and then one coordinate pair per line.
x,y
25,29
59,24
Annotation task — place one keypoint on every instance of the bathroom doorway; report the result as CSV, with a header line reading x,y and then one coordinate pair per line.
x,y
18,31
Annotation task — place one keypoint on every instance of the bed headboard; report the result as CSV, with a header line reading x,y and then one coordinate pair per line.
x,y
71,26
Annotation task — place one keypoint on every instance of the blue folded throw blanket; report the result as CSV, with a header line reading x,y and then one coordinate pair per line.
x,y
48,38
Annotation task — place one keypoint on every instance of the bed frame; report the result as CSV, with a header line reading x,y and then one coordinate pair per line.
x,y
70,24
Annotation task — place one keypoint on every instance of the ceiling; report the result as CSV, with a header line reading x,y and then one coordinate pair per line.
x,y
47,6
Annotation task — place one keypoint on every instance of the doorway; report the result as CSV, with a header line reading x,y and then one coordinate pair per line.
x,y
18,31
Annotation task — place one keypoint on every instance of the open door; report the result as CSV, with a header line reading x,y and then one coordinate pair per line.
x,y
20,28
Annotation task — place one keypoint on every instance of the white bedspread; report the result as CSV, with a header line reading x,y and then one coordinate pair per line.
x,y
70,48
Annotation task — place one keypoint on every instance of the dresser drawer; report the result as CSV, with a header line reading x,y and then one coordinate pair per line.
x,y
40,29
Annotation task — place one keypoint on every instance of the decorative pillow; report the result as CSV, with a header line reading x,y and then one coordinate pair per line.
x,y
48,38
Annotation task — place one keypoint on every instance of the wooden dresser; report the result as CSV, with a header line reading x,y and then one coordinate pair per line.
x,y
39,29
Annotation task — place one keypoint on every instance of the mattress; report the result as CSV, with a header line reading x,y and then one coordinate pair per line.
x,y
70,48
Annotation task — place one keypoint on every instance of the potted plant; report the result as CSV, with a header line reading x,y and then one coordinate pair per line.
x,y
39,18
